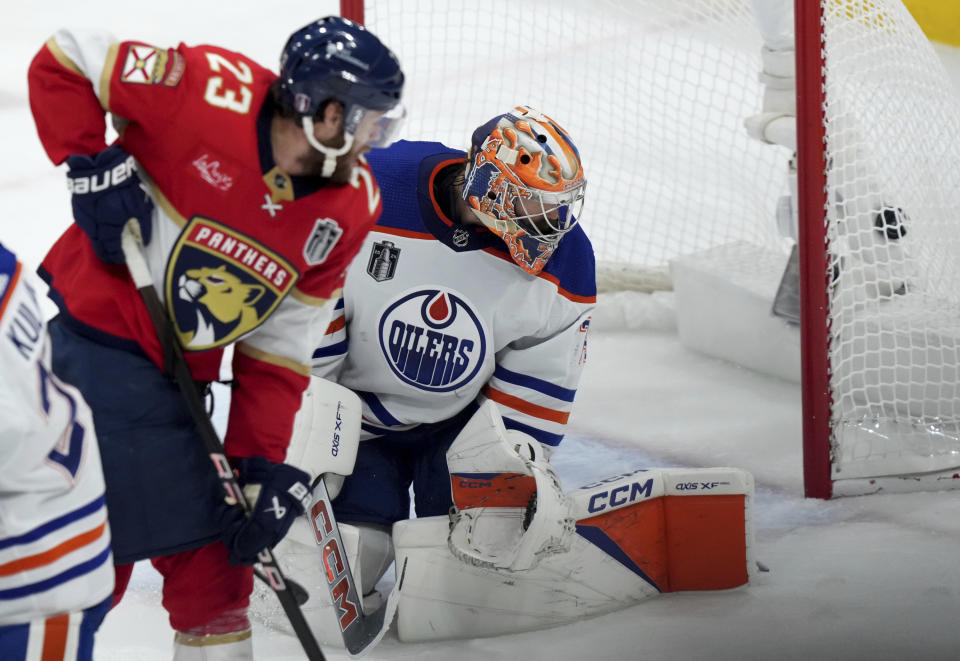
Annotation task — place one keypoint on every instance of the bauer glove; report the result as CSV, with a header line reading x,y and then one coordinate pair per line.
x,y
106,193
278,494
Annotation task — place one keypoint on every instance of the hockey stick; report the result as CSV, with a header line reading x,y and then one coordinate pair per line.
x,y
360,631
177,366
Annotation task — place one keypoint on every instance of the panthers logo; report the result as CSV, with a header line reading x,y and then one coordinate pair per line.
x,y
223,295
221,284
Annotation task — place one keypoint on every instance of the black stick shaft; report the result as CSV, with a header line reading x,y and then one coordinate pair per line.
x,y
175,361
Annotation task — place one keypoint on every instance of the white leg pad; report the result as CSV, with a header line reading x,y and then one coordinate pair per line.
x,y
637,535
370,553
442,597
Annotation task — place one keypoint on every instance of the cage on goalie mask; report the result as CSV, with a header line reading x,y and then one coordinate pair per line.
x,y
335,58
524,181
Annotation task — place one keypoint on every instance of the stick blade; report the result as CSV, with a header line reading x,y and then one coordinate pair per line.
x,y
361,631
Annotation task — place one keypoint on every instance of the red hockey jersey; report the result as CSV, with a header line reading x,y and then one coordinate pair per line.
x,y
240,252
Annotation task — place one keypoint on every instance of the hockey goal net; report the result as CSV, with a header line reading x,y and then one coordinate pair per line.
x,y
655,93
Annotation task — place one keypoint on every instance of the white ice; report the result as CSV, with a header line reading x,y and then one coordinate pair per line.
x,y
874,577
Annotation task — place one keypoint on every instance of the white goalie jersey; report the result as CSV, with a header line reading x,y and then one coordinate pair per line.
x,y
54,539
436,315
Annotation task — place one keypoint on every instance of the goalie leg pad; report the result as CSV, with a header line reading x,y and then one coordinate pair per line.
x,y
637,535
684,529
370,553
442,597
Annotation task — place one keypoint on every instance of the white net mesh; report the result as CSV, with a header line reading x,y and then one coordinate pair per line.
x,y
655,93
893,123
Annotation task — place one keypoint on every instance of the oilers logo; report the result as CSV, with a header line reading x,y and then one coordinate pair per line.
x,y
432,339
221,284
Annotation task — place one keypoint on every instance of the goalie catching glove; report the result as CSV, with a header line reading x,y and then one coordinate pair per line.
x,y
106,193
509,510
278,494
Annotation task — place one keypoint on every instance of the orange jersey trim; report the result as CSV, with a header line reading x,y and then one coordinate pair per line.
x,y
10,286
55,632
54,554
523,406
336,324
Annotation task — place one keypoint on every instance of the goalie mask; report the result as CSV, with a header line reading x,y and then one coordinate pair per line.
x,y
525,182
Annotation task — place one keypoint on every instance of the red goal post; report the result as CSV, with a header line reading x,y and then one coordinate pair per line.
x,y
813,250
655,92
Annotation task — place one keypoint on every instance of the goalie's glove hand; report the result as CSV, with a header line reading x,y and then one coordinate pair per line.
x,y
106,193
278,494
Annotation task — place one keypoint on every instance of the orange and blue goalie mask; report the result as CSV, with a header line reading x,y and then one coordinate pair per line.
x,y
524,181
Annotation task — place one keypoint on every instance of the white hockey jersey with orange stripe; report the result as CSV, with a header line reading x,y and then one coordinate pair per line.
x,y
435,314
54,538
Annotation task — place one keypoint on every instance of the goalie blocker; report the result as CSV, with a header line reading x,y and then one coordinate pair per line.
x,y
521,555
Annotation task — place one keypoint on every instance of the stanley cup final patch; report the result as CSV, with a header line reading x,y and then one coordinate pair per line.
x,y
221,284
383,260
326,232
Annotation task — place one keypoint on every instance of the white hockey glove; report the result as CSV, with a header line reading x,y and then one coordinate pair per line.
x,y
326,433
509,509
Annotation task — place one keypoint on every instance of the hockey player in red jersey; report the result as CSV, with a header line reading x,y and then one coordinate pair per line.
x,y
252,196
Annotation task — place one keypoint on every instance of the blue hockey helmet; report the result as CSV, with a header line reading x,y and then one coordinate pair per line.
x,y
336,58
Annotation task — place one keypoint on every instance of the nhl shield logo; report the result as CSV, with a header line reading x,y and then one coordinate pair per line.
x,y
221,284
461,237
383,261
326,232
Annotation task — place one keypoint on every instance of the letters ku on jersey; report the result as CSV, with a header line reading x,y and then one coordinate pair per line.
x,y
436,314
54,540
240,251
